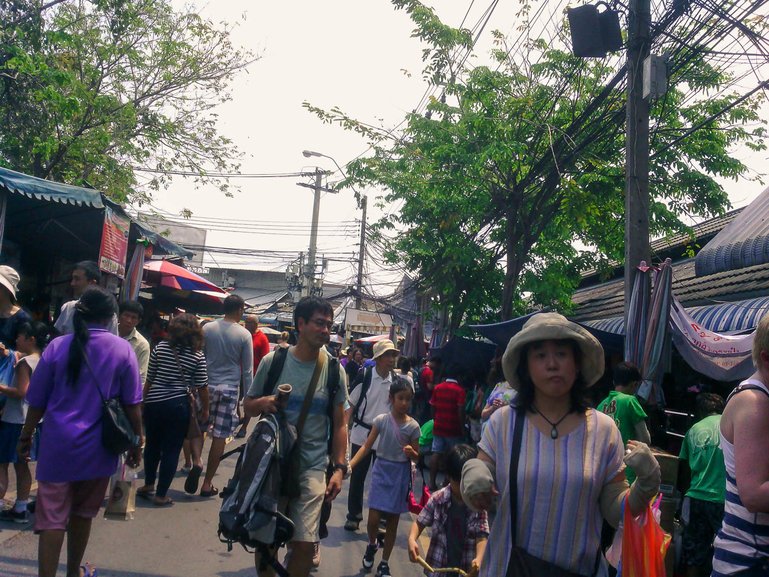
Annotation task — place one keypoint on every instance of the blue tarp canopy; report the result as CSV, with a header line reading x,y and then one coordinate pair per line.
x,y
469,355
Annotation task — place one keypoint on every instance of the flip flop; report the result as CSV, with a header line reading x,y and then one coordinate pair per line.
x,y
212,493
88,571
146,495
193,478
167,502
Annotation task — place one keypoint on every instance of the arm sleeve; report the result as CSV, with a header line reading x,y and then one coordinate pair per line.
x,y
201,372
426,517
152,367
143,356
130,380
264,346
341,393
488,442
684,454
461,398
637,411
41,383
642,433
257,386
247,361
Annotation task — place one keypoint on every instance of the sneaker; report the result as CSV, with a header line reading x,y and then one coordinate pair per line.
x,y
351,525
15,516
368,557
316,555
383,570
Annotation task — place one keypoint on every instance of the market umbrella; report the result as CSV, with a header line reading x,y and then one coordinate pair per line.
x,y
656,335
638,315
167,274
167,299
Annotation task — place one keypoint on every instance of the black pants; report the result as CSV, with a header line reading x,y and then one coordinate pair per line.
x,y
166,424
357,480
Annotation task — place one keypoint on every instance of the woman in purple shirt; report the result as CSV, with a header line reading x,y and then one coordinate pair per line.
x,y
73,466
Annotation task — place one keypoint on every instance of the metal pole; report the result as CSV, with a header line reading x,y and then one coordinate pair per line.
x,y
310,270
358,298
636,147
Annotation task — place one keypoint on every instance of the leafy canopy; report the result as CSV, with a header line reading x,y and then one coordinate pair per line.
x,y
513,179
92,90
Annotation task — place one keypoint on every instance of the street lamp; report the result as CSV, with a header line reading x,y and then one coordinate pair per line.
x,y
308,154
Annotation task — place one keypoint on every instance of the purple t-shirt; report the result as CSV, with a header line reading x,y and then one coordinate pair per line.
x,y
70,440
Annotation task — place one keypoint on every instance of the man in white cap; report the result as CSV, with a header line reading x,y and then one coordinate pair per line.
x,y
368,398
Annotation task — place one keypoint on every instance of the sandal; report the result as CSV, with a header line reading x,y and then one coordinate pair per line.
x,y
210,493
88,571
145,494
193,478
163,501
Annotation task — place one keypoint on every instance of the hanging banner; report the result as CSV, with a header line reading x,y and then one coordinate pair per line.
x,y
718,356
114,243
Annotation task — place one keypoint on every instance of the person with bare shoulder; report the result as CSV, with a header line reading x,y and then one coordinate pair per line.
x,y
742,543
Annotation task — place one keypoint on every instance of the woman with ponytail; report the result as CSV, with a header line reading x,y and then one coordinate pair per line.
x,y
74,373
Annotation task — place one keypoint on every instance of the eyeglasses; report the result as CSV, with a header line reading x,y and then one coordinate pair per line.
x,y
322,323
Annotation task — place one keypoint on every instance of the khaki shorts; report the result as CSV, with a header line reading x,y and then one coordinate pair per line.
x,y
304,511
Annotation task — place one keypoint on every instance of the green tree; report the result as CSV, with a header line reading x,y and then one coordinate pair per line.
x,y
90,91
521,162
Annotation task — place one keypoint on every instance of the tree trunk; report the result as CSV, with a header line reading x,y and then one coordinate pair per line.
x,y
514,265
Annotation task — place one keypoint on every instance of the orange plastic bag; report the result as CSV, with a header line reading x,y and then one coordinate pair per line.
x,y
644,544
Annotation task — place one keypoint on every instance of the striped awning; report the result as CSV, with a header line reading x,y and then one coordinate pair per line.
x,y
731,317
742,243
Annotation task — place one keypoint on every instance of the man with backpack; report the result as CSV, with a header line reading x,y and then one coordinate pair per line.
x,y
316,416
368,398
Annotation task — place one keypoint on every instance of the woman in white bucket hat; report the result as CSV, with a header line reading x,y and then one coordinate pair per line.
x,y
12,316
568,475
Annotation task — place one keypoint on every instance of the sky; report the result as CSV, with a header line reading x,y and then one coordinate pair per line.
x,y
352,54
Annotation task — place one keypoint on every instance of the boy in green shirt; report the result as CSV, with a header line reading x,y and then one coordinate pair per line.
x,y
623,406
701,451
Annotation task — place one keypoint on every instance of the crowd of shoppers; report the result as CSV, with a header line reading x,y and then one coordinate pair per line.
x,y
497,449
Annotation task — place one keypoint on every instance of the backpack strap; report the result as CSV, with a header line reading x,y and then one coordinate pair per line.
x,y
357,417
332,386
276,367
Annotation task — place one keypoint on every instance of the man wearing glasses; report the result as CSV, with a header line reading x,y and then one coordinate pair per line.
x,y
325,418
230,363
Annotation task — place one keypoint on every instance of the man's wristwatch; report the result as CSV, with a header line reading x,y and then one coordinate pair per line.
x,y
341,467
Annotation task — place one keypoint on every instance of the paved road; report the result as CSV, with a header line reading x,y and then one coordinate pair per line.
x,y
181,541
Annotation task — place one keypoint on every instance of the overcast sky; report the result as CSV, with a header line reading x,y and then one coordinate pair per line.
x,y
357,55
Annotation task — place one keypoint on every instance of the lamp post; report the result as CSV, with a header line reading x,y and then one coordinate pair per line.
x,y
361,248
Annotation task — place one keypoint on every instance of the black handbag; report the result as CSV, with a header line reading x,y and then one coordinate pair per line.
x,y
117,433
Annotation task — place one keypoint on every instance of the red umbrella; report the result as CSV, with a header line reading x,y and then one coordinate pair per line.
x,y
167,274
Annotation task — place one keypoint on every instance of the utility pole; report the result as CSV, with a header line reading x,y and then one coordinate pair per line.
x,y
358,298
636,146
310,269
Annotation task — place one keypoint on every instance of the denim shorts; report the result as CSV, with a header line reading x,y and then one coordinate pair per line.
x,y
445,444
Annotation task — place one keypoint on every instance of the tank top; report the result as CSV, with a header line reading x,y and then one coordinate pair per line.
x,y
744,536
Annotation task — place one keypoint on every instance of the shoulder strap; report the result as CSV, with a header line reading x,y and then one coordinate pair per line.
x,y
332,386
319,364
746,387
190,384
276,367
512,481
365,385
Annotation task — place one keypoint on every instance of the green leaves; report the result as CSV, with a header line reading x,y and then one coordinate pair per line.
x,y
512,183
99,87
